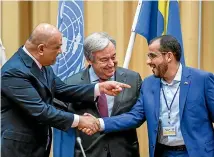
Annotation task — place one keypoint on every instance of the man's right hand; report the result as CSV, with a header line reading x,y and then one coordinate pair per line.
x,y
112,88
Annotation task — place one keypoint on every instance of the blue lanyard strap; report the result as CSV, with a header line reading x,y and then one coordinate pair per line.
x,y
169,106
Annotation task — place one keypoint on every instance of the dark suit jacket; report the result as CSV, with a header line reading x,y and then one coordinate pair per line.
x,y
27,112
120,144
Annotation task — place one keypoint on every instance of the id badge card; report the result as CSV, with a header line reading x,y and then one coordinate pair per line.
x,y
169,131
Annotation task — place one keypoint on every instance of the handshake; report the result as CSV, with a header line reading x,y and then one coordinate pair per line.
x,y
89,124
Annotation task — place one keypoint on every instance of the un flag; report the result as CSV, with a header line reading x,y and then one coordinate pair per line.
x,y
69,62
70,23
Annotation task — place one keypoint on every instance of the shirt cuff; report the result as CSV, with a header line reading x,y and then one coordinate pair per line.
x,y
102,124
76,121
96,91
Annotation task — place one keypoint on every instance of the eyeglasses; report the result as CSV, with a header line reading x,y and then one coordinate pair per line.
x,y
153,55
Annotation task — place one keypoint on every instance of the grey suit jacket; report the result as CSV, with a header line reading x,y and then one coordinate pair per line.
x,y
117,144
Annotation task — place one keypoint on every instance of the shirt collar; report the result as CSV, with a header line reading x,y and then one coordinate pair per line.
x,y
93,76
176,79
28,53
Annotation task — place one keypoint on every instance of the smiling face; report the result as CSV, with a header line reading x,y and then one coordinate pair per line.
x,y
104,62
157,60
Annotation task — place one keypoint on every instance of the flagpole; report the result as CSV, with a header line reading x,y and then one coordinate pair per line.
x,y
129,50
132,37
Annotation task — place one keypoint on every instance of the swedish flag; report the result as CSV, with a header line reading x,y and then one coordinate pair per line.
x,y
158,18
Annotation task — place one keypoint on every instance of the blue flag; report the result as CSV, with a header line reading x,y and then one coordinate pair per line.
x,y
70,61
159,18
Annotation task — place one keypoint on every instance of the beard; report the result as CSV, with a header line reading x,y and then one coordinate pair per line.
x,y
161,70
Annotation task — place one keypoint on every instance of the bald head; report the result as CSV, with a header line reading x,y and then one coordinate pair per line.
x,y
45,43
42,33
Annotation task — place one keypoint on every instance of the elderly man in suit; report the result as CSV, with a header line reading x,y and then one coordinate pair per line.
x,y
28,88
177,102
100,52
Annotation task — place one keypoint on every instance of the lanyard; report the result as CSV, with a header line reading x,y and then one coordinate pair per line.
x,y
169,106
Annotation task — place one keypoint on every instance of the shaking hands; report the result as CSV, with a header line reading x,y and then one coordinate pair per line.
x,y
89,124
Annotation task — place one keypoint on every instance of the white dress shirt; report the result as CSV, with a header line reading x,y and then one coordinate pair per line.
x,y
169,91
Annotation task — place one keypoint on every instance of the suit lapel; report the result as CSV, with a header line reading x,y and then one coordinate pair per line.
x,y
85,76
39,75
184,87
85,79
156,97
120,76
28,61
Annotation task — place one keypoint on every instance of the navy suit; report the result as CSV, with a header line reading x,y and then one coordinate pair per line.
x,y
27,112
196,111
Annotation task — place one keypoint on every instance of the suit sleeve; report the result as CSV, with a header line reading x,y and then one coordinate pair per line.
x,y
132,119
17,86
60,105
209,87
73,93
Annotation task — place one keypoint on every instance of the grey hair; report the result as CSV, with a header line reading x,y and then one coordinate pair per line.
x,y
96,42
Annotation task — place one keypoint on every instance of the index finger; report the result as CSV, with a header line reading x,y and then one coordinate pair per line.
x,y
123,85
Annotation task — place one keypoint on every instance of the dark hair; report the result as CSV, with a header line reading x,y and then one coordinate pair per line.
x,y
169,43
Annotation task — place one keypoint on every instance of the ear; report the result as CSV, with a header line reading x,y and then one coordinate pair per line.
x,y
89,61
170,56
40,49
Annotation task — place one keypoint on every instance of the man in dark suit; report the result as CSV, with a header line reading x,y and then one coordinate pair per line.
x,y
100,52
177,102
28,88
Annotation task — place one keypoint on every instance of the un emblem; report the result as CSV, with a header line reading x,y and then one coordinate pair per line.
x,y
70,23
